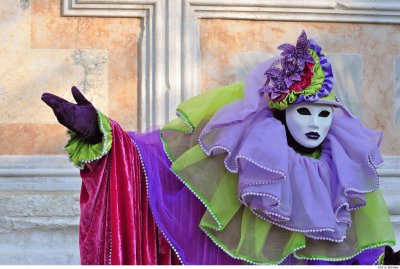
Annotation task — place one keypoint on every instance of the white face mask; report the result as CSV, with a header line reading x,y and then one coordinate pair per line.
x,y
309,123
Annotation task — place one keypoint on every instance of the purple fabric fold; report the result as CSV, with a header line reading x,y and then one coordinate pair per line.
x,y
292,191
175,209
299,193
295,192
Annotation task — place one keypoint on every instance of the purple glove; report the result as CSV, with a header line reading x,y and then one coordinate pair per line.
x,y
391,257
80,118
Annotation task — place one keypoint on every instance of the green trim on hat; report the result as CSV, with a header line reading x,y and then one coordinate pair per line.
x,y
315,85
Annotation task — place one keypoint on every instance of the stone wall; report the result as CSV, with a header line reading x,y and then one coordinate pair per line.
x,y
136,60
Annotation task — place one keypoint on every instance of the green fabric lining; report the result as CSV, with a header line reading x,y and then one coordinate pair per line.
x,y
191,156
369,230
217,216
81,152
315,154
359,250
216,225
203,106
240,256
381,258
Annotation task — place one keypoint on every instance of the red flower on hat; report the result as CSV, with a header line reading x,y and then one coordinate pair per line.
x,y
305,79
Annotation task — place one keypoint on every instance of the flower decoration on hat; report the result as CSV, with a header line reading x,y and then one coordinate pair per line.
x,y
301,74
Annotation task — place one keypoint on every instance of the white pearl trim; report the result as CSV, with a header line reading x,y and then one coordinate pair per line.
x,y
110,245
298,230
179,114
236,160
342,259
148,197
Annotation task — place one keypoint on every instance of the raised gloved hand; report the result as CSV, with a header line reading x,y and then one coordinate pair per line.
x,y
80,118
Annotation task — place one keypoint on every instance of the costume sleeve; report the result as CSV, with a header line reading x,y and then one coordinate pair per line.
x,y
81,152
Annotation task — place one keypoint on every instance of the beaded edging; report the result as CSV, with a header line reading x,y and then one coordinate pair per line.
x,y
190,187
220,227
385,243
148,198
236,159
181,114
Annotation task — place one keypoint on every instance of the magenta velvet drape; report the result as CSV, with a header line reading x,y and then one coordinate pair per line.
x,y
116,225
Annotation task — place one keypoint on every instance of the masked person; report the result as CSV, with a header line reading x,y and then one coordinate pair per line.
x,y
272,171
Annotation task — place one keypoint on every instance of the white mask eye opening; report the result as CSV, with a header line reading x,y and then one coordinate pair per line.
x,y
303,111
324,114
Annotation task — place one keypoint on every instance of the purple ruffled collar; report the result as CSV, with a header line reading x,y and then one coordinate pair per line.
x,y
295,192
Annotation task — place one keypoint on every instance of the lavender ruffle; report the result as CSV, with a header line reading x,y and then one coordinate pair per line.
x,y
313,196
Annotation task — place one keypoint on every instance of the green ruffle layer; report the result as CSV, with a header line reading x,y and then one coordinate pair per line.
x,y
80,152
233,226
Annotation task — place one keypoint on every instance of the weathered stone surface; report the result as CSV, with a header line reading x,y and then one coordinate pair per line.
x,y
43,52
347,70
247,61
397,89
40,246
36,204
9,224
39,213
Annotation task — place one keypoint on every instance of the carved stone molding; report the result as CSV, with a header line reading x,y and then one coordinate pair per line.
x,y
46,175
39,214
153,91
292,10
170,45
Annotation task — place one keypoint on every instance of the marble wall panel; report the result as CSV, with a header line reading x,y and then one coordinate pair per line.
x,y
347,70
120,37
15,25
247,61
40,247
397,90
371,46
40,51
28,73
